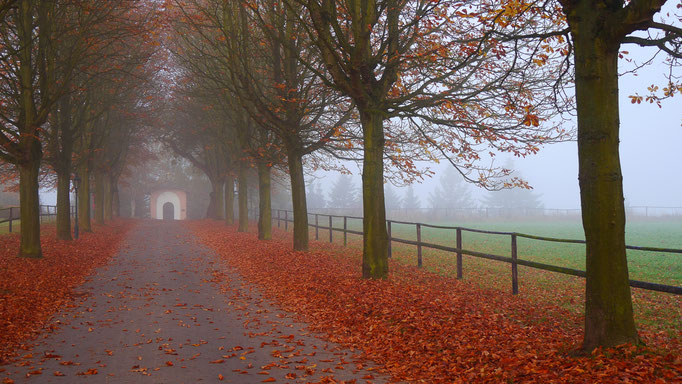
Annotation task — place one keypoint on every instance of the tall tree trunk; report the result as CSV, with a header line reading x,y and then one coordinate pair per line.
x,y
29,209
115,198
229,200
29,142
264,202
215,206
298,201
85,225
108,198
243,200
63,204
609,316
99,198
62,147
375,237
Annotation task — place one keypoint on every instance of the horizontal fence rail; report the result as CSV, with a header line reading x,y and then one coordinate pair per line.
x,y
318,222
500,212
11,214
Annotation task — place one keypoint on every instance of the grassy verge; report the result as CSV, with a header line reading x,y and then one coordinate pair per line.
x,y
655,312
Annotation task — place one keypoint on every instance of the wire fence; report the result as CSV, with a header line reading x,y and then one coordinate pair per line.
x,y
327,223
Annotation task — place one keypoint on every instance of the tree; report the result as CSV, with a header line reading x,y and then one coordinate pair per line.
x,y
99,63
315,197
261,57
597,30
343,194
445,79
211,38
411,200
393,201
451,192
28,90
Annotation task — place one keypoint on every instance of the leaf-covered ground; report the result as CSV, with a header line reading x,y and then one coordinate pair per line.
x,y
31,290
427,328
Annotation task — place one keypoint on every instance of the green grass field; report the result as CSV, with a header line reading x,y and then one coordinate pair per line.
x,y
16,224
658,312
663,268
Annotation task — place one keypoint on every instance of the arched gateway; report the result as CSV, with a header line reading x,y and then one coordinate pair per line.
x,y
168,204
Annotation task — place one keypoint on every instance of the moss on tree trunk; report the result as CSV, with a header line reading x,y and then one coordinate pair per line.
x,y
29,202
298,199
375,237
609,317
63,205
264,202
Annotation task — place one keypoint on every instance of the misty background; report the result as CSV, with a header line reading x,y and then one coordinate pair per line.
x,y
650,149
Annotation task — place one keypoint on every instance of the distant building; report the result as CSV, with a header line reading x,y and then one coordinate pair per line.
x,y
168,204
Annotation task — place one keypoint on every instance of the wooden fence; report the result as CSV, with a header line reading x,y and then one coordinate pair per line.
x,y
287,216
11,214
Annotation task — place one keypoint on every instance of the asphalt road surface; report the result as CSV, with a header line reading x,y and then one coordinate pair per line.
x,y
166,310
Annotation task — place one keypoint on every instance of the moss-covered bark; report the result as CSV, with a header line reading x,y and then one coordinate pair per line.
x,y
29,209
264,202
609,316
29,153
298,200
375,239
63,205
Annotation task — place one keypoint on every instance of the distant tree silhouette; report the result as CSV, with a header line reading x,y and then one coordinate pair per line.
x,y
344,193
513,198
315,196
451,192
393,200
411,200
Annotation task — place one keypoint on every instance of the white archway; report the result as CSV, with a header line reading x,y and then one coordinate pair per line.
x,y
168,197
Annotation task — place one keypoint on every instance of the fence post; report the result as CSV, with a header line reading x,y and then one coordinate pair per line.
x,y
331,237
278,220
317,229
388,229
515,267
286,220
11,217
459,253
419,245
345,229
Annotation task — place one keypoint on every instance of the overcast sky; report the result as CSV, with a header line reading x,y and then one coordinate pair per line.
x,y
651,152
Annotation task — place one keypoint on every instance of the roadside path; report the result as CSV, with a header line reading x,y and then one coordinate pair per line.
x,y
166,311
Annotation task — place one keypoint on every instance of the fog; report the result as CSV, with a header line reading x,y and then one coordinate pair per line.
x,y
650,149
651,138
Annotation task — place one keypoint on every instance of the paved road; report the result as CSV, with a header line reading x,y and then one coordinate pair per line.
x,y
165,310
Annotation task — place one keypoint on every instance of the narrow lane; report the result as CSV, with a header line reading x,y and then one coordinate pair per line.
x,y
158,314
